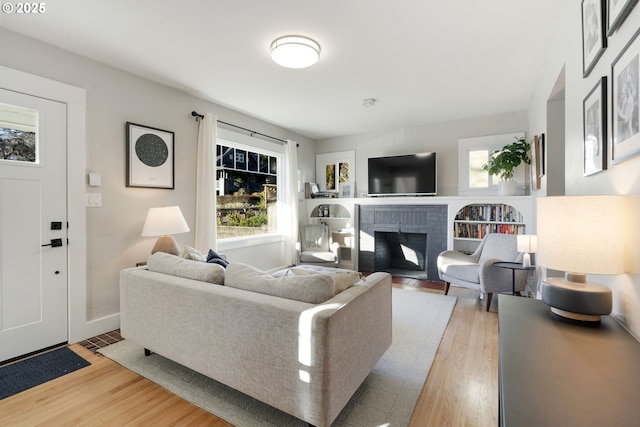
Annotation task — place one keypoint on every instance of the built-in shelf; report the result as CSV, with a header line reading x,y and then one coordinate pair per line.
x,y
474,221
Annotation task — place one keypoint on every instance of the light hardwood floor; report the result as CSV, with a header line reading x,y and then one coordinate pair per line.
x,y
461,390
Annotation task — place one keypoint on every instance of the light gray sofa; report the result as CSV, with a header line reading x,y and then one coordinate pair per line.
x,y
302,358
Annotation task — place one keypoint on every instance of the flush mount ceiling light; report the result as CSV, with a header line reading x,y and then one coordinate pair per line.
x,y
368,102
295,51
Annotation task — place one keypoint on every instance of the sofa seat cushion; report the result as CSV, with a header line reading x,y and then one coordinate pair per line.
x,y
313,289
311,256
163,262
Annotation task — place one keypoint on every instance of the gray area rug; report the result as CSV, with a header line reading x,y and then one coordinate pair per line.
x,y
387,397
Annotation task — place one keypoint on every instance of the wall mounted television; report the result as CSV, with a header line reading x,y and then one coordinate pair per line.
x,y
407,175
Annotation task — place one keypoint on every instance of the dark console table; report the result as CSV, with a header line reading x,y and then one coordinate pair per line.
x,y
556,372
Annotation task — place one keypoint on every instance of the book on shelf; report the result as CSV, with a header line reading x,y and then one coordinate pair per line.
x,y
489,213
479,230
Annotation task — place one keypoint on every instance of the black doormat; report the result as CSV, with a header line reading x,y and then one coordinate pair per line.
x,y
38,370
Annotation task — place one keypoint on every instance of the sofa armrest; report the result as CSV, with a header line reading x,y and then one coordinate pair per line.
x,y
358,331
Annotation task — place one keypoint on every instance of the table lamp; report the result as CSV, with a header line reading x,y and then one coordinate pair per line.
x,y
580,235
527,243
164,222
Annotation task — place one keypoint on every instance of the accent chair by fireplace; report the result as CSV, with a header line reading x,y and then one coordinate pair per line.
x,y
317,247
476,271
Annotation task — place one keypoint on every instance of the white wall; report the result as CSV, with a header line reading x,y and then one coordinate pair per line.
x,y
441,138
622,178
113,98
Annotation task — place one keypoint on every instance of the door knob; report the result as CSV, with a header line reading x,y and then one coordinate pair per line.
x,y
54,243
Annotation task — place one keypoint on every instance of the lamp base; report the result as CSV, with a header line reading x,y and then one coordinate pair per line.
x,y
166,244
575,299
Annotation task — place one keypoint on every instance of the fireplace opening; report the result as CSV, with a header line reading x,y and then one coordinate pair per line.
x,y
401,254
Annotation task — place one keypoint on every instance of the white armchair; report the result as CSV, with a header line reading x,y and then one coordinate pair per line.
x,y
317,247
476,271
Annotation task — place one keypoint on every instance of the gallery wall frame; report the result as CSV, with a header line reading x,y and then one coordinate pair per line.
x,y
150,157
542,155
625,111
535,163
335,172
594,38
594,125
617,11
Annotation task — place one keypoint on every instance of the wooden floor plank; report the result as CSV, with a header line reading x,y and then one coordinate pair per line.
x,y
461,390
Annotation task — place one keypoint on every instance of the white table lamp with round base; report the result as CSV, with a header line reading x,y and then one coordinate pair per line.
x,y
580,235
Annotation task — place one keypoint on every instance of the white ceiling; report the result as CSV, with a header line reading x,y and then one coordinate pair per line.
x,y
425,61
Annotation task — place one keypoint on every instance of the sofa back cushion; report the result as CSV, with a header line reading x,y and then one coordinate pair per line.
x,y
343,279
313,289
163,262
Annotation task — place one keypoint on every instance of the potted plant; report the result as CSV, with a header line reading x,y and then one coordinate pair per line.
x,y
504,161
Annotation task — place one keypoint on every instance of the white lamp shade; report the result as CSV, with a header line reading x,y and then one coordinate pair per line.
x,y
295,51
581,234
527,243
164,221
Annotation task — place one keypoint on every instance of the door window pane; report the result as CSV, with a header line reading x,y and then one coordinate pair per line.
x,y
18,136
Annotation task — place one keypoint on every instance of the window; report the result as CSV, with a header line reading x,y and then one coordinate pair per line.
x,y
247,190
18,134
478,178
473,153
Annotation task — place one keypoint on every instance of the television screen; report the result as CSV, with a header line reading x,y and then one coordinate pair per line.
x,y
408,175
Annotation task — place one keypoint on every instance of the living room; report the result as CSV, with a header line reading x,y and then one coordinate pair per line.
x,y
109,236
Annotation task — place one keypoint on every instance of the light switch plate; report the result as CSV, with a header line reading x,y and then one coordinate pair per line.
x,y
94,179
94,200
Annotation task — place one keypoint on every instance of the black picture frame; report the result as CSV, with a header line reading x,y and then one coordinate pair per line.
x,y
594,39
594,125
617,11
625,100
542,155
150,157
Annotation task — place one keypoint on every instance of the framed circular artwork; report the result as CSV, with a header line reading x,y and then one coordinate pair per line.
x,y
150,157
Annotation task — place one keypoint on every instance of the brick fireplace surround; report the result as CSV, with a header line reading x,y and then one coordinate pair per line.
x,y
426,219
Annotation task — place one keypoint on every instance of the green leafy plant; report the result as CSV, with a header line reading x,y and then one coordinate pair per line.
x,y
503,162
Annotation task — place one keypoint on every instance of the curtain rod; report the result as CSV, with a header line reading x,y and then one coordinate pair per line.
x,y
252,132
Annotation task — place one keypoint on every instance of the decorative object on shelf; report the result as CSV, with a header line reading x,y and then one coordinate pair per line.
x,y
150,157
503,162
580,235
594,39
594,110
527,244
625,113
164,222
295,51
617,11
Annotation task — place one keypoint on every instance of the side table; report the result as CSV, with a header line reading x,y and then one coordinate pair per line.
x,y
513,266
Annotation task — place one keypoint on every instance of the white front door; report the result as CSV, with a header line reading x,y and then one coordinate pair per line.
x,y
33,224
